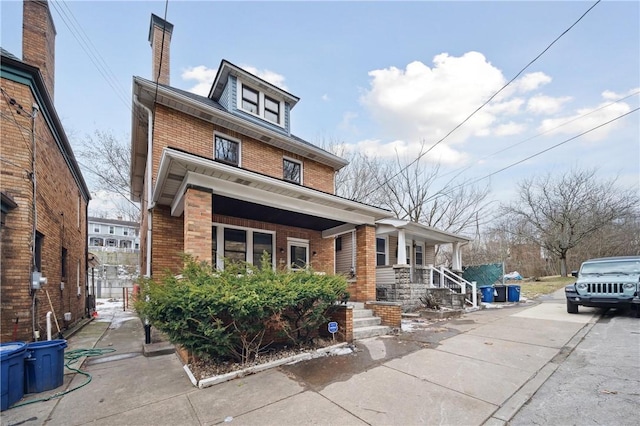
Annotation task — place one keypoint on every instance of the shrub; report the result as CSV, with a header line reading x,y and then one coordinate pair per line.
x,y
230,313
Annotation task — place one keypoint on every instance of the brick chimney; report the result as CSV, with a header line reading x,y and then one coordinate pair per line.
x,y
39,40
160,48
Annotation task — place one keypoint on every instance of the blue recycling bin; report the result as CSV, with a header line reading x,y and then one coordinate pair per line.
x,y
513,293
487,293
44,365
12,356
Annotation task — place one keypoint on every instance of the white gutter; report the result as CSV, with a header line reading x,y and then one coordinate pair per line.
x,y
149,182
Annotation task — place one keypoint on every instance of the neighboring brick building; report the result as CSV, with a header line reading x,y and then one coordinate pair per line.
x,y
47,233
222,177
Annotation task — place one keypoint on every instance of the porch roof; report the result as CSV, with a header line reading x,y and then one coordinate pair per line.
x,y
416,230
250,195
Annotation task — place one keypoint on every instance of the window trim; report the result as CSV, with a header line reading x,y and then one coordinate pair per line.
x,y
300,163
261,104
257,103
415,251
220,227
228,138
296,242
276,113
386,250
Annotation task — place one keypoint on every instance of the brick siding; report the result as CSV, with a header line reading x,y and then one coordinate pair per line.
x,y
389,312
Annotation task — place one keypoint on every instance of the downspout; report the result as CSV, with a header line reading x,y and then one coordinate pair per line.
x,y
34,113
148,179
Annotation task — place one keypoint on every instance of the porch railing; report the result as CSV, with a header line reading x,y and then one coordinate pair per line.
x,y
444,278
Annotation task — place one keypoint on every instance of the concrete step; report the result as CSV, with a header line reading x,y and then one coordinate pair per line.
x,y
362,313
371,331
366,322
356,305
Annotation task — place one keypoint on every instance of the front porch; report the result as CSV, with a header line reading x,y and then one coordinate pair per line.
x,y
405,270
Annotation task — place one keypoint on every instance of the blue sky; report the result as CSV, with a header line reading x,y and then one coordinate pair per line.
x,y
383,76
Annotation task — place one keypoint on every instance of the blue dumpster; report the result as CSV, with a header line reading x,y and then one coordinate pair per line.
x,y
513,293
487,293
12,356
44,365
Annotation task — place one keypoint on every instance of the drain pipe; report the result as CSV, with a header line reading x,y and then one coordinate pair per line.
x,y
147,325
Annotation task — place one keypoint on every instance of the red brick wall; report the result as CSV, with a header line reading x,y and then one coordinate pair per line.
x,y
167,242
61,218
365,288
178,130
197,224
389,312
160,49
38,40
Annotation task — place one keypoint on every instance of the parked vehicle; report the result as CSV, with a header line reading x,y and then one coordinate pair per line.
x,y
608,282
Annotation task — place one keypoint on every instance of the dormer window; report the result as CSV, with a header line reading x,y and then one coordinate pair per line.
x,y
292,171
271,110
227,150
260,104
250,100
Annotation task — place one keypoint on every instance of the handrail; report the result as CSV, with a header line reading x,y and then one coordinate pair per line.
x,y
448,279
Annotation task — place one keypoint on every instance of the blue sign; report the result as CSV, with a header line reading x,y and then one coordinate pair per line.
x,y
333,327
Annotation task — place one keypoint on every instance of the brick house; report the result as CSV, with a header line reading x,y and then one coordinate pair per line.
x,y
44,196
222,177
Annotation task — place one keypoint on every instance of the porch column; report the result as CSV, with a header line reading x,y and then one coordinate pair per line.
x,y
456,258
365,264
402,248
198,205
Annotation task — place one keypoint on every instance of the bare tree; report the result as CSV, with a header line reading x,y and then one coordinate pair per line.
x,y
560,213
108,162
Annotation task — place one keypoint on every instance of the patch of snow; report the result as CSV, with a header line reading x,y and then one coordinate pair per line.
x,y
111,310
341,351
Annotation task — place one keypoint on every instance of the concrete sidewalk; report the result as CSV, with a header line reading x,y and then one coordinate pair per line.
x,y
479,369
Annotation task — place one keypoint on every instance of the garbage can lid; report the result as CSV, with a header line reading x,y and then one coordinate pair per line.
x,y
6,349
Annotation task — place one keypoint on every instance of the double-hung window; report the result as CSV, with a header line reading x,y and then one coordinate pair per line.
x,y
250,100
272,110
292,171
381,251
227,151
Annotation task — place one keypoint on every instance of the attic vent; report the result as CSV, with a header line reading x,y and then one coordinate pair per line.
x,y
311,156
173,176
304,198
265,138
350,209
243,182
205,116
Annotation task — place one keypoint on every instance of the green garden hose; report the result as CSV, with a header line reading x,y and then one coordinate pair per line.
x,y
71,357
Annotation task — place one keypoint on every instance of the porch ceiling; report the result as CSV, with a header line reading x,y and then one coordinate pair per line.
x,y
242,193
417,231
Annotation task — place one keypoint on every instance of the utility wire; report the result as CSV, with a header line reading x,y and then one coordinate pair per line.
x,y
463,169
89,48
422,154
13,104
440,194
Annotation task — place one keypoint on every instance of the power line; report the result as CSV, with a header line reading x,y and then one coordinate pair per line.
x,y
12,103
463,169
422,154
438,195
89,48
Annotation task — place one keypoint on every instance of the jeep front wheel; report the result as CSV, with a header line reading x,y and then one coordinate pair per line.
x,y
572,308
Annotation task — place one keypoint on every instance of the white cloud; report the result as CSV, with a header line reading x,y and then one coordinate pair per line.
x,y
585,119
541,104
406,151
531,81
325,97
267,75
204,77
509,129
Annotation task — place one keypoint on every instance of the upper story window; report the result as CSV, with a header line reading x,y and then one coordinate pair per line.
x,y
292,171
96,228
272,110
227,151
112,229
261,105
250,100
125,231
